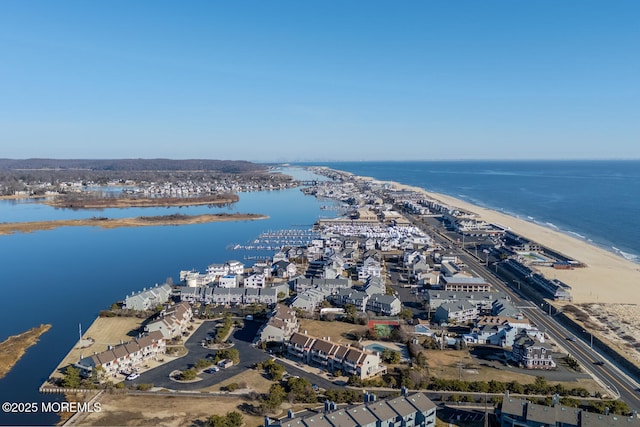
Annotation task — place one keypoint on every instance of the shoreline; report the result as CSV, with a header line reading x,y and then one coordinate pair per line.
x,y
109,223
587,283
15,347
132,202
605,291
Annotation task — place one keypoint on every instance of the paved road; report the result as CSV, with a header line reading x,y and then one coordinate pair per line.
x,y
608,374
241,339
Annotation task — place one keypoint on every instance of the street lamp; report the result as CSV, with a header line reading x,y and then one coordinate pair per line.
x,y
591,335
518,282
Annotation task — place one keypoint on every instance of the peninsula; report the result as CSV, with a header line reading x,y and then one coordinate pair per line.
x,y
71,202
175,219
14,347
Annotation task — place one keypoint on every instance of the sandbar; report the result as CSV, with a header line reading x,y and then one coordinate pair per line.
x,y
27,227
14,347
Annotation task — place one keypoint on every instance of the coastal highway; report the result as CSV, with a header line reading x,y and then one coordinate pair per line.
x,y
609,375
604,371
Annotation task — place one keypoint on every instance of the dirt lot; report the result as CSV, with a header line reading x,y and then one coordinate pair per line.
x,y
444,364
335,330
252,378
169,411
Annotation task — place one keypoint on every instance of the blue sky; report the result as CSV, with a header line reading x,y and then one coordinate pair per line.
x,y
320,80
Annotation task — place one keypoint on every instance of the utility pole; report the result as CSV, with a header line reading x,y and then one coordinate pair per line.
x,y
486,413
460,366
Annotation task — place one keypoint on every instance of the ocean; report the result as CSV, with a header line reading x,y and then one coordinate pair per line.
x,y
66,276
597,201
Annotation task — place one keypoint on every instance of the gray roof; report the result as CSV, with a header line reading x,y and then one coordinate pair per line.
x,y
383,299
362,415
421,402
464,280
340,418
401,406
382,411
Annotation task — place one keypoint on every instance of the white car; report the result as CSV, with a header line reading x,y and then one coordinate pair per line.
x,y
132,377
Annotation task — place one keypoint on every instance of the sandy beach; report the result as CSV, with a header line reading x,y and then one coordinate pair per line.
x,y
607,289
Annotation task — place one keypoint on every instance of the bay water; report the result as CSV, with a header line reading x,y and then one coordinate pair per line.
x,y
65,276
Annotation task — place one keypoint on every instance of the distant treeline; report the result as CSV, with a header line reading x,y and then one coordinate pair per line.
x,y
28,174
223,166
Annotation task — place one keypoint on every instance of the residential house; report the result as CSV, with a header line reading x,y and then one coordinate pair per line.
x,y
516,412
254,281
172,322
333,356
410,410
382,304
482,300
350,296
464,284
125,356
458,312
281,325
284,269
229,281
531,353
375,285
148,299
370,268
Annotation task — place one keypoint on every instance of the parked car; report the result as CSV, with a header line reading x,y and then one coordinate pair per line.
x,y
132,377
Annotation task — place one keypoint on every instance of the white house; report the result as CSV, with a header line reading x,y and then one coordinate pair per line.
x,y
254,281
228,281
148,298
370,268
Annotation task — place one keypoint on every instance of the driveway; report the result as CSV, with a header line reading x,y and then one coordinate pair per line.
x,y
241,339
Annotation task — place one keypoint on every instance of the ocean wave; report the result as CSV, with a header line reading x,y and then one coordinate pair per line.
x,y
552,225
577,234
626,255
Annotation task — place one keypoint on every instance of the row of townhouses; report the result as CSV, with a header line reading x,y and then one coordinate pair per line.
x,y
281,325
232,296
411,410
148,299
124,356
172,322
517,412
333,357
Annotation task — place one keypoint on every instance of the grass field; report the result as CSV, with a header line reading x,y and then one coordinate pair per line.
x,y
104,331
444,364
252,378
169,411
334,330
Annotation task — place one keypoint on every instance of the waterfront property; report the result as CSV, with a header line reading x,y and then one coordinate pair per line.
x,y
148,299
124,356
172,322
412,410
335,357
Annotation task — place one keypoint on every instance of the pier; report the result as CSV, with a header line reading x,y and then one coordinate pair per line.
x,y
277,239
